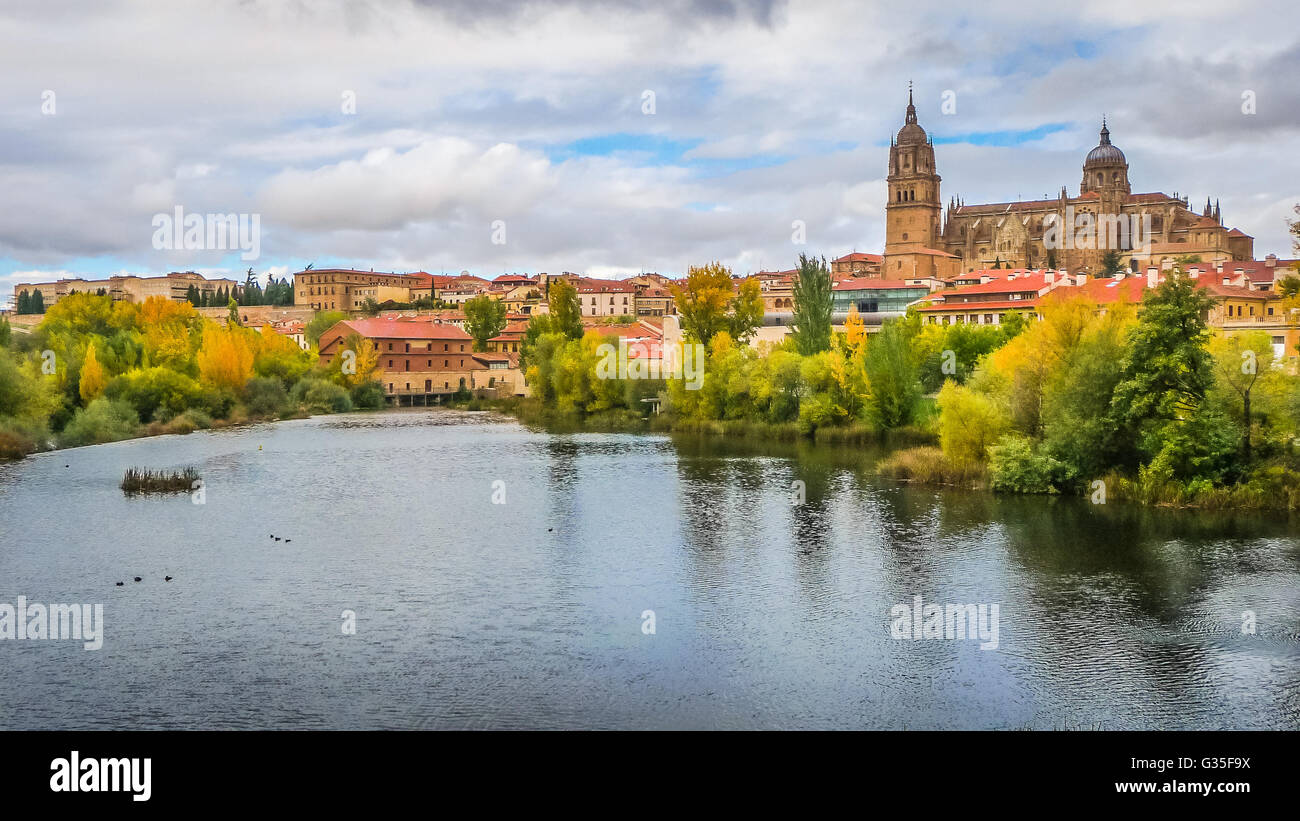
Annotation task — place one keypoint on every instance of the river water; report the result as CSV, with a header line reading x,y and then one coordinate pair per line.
x,y
501,577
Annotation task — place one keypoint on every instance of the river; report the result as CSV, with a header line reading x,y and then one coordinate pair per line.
x,y
501,577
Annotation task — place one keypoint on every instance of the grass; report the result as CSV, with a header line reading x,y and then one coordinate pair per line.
x,y
141,480
927,465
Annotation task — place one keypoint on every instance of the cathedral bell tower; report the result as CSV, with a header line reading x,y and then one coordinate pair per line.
x,y
914,209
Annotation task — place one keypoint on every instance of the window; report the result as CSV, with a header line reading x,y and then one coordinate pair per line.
x,y
429,364
408,347
390,363
445,364
446,347
428,386
390,346
408,364
988,319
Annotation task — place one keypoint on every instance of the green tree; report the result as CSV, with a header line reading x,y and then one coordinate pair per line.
x,y
320,323
1111,263
565,309
745,312
1239,362
812,306
485,317
892,378
233,316
1166,370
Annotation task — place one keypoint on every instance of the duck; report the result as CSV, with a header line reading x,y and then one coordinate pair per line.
x,y
167,578
137,578
121,584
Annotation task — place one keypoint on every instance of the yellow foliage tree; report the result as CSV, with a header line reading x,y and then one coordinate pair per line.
x,y
167,327
226,357
356,362
93,378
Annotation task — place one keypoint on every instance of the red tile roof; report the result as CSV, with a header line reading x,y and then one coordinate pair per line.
x,y
860,257
376,328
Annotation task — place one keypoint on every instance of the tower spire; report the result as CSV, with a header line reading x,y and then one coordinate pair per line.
x,y
911,107
1105,132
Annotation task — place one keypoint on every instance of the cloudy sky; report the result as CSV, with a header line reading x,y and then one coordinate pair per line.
x,y
605,137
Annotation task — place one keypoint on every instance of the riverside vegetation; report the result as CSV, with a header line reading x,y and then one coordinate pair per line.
x,y
96,371
1145,398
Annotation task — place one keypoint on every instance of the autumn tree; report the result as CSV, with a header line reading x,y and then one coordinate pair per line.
x,y
709,303
226,357
93,378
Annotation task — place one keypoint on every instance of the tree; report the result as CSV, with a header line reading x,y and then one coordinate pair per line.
x,y
746,311
36,305
969,423
362,366
1166,369
1289,285
485,317
710,303
812,306
565,309
232,318
93,379
1239,360
1111,264
892,376
226,358
320,323
24,301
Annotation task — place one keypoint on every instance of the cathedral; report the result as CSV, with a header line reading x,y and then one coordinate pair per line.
x,y
925,239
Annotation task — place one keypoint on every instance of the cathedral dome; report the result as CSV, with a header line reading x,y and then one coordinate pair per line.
x,y
911,132
1104,153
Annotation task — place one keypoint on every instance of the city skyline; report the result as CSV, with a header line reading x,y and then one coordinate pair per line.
x,y
583,171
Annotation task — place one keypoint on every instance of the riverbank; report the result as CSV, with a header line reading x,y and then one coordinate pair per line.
x,y
15,447
917,459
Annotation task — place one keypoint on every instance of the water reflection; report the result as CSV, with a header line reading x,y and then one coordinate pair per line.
x,y
529,613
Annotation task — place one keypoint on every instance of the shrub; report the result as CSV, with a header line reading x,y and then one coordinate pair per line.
x,y
969,424
155,393
368,396
103,420
265,396
1016,466
326,397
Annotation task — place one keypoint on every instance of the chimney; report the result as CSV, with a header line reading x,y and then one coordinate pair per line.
x,y
1218,266
1049,277
1153,277
1271,260
1081,280
1227,280
1166,264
